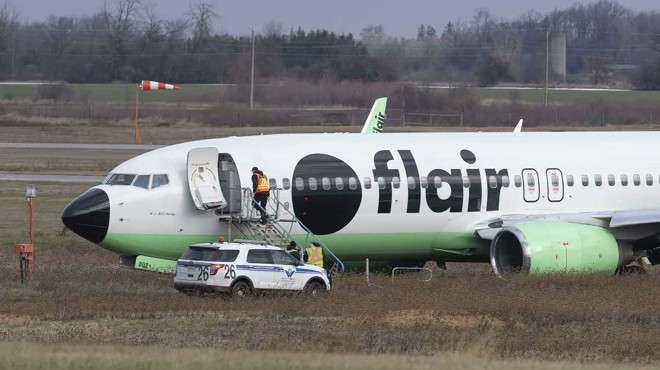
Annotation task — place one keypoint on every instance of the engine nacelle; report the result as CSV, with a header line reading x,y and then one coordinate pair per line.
x,y
548,247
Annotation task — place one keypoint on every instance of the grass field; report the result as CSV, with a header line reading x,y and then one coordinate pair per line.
x,y
120,92
83,311
81,308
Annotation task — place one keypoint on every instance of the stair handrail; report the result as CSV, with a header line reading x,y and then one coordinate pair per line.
x,y
275,197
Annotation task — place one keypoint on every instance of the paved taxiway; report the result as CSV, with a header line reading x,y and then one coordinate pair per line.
x,y
66,178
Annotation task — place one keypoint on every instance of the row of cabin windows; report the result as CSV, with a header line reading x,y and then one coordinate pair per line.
x,y
351,183
611,180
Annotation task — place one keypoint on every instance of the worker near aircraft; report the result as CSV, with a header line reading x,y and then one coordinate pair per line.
x,y
293,250
261,191
314,254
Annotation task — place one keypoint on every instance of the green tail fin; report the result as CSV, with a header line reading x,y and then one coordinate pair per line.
x,y
376,120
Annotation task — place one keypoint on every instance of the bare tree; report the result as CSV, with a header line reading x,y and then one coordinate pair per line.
x,y
58,34
202,15
152,25
8,28
273,29
119,22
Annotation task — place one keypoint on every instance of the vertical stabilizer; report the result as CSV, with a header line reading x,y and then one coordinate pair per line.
x,y
376,118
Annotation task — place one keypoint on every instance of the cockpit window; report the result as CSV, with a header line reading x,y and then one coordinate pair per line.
x,y
120,179
142,181
159,180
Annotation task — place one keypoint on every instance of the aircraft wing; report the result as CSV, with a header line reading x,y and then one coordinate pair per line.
x,y
634,223
376,118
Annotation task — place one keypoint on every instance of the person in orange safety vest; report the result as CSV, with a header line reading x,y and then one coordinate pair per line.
x,y
261,191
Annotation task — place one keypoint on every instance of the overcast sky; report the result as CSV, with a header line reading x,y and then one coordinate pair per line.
x,y
398,17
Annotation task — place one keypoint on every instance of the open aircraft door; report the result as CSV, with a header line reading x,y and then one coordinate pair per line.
x,y
203,179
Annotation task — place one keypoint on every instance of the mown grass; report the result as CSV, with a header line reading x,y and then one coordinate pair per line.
x,y
72,357
122,92
565,96
80,297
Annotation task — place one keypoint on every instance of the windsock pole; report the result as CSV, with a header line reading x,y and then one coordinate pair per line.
x,y
137,112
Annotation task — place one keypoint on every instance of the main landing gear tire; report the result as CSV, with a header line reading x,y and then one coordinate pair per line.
x,y
314,288
632,270
241,289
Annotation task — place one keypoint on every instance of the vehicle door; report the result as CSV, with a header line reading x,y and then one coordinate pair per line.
x,y
286,276
260,268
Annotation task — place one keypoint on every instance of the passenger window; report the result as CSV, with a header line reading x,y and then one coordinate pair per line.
x,y
585,180
492,181
569,180
282,258
637,180
611,180
396,182
437,182
259,256
598,180
381,183
624,180
555,180
505,181
649,180
325,182
367,182
339,183
121,179
272,183
411,182
352,183
312,183
423,181
286,183
300,184
159,180
142,181
225,255
466,181
517,180
199,254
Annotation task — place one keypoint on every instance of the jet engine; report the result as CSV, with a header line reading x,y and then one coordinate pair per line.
x,y
539,248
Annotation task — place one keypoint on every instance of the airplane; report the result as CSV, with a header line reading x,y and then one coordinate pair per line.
x,y
528,203
376,119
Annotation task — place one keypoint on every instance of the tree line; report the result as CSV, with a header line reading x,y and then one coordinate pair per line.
x,y
127,40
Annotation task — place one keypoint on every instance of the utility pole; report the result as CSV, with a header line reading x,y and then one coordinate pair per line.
x,y
252,76
547,65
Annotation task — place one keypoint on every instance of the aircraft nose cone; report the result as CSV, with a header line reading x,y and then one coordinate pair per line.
x,y
88,215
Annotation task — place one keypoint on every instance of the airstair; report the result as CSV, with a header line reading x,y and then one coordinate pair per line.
x,y
278,230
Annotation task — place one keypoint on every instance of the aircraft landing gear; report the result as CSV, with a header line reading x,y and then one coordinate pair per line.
x,y
631,270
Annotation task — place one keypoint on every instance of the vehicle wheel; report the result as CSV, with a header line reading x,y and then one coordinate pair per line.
x,y
315,288
241,289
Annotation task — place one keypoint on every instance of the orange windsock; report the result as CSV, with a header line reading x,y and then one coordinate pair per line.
x,y
153,85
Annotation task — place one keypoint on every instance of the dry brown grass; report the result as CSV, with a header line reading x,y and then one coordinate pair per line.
x,y
71,357
80,295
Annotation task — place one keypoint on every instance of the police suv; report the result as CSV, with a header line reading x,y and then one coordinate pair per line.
x,y
242,268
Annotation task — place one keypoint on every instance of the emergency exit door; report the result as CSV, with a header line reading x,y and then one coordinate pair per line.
x,y
555,185
530,179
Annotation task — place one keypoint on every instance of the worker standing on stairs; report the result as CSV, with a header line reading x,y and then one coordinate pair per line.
x,y
261,191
